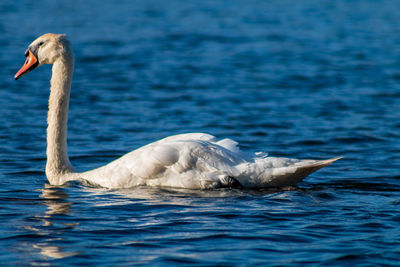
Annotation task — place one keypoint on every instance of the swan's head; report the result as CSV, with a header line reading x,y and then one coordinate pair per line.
x,y
46,49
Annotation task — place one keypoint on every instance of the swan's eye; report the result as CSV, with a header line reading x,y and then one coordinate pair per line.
x,y
41,43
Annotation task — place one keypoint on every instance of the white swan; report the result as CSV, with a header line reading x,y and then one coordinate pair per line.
x,y
193,160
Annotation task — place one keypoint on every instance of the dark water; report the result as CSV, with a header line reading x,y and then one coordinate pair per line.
x,y
307,79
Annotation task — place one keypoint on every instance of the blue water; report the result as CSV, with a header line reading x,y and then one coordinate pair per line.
x,y
306,79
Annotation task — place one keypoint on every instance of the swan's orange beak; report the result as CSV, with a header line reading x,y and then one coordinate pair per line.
x,y
30,63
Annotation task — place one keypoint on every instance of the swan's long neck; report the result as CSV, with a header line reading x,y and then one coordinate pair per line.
x,y
58,162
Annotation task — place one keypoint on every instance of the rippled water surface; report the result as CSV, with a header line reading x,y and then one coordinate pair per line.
x,y
306,79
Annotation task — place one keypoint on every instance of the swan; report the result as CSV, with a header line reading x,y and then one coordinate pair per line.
x,y
191,160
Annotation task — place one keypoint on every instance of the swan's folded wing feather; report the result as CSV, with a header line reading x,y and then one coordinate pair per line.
x,y
183,153
151,162
187,137
230,145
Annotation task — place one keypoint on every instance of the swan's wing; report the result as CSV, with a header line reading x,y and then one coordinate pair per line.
x,y
230,145
151,161
134,168
190,145
225,143
178,155
187,160
187,136
198,161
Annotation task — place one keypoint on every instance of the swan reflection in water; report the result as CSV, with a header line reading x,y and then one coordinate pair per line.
x,y
56,201
139,209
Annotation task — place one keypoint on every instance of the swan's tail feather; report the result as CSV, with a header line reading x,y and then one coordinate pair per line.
x,y
278,172
294,174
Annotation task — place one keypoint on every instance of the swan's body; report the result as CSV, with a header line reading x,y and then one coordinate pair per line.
x,y
193,160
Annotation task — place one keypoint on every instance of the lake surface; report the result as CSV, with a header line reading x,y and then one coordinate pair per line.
x,y
303,79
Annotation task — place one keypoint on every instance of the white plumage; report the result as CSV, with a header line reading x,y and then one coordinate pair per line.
x,y
199,161
193,160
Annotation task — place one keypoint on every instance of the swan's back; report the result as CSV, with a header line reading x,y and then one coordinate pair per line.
x,y
199,161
